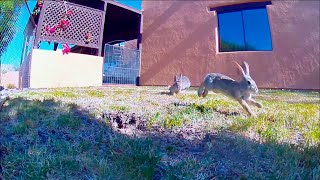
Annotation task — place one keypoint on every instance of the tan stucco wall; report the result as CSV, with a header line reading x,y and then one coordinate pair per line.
x,y
181,37
51,69
10,78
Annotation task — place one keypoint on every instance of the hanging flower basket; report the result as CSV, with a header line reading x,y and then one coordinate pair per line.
x,y
88,38
65,49
50,30
63,25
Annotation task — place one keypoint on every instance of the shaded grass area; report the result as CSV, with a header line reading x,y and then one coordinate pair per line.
x,y
57,134
50,139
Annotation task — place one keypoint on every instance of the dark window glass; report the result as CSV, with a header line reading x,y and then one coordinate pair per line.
x,y
231,32
244,30
257,30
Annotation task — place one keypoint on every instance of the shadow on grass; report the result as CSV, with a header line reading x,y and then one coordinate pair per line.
x,y
50,139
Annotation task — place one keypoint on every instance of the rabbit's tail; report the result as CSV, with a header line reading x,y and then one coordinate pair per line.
x,y
201,89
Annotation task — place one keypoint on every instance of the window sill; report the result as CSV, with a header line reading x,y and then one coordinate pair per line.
x,y
238,52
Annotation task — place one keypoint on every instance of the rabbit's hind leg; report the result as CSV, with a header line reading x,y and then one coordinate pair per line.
x,y
255,103
245,106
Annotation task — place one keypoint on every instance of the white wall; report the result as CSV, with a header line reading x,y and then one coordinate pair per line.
x,y
51,69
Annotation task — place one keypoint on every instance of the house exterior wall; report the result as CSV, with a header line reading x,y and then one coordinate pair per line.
x,y
51,69
10,78
132,44
181,37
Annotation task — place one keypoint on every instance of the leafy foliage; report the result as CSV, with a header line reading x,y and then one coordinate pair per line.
x,y
9,12
226,46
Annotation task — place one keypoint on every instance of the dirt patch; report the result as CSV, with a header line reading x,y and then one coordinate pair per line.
x,y
182,143
122,120
177,142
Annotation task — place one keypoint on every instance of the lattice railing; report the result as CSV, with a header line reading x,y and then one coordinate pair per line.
x,y
82,21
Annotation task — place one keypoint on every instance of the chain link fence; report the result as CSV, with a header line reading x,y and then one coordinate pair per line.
x,y
121,65
14,21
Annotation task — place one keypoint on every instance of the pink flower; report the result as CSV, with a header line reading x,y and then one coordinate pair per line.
x,y
63,24
50,30
65,49
88,38
40,3
69,12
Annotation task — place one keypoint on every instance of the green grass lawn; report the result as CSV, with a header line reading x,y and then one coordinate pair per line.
x,y
61,134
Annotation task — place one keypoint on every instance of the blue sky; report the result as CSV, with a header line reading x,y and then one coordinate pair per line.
x,y
13,54
132,3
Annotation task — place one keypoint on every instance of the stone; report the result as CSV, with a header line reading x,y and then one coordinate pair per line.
x,y
3,99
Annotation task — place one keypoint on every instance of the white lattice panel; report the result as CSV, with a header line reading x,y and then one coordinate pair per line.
x,y
82,20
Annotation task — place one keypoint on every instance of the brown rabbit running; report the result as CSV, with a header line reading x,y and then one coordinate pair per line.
x,y
241,91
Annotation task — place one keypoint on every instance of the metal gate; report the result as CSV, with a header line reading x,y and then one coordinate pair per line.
x,y
121,65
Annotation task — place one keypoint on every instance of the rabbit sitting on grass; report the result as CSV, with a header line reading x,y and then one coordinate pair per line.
x,y
240,91
180,83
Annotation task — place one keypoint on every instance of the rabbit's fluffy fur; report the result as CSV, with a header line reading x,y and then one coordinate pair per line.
x,y
240,90
180,83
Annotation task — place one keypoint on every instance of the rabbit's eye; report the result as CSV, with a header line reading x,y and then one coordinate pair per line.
x,y
249,82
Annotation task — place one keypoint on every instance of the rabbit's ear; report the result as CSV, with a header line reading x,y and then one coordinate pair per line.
x,y
175,78
240,68
180,76
247,68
